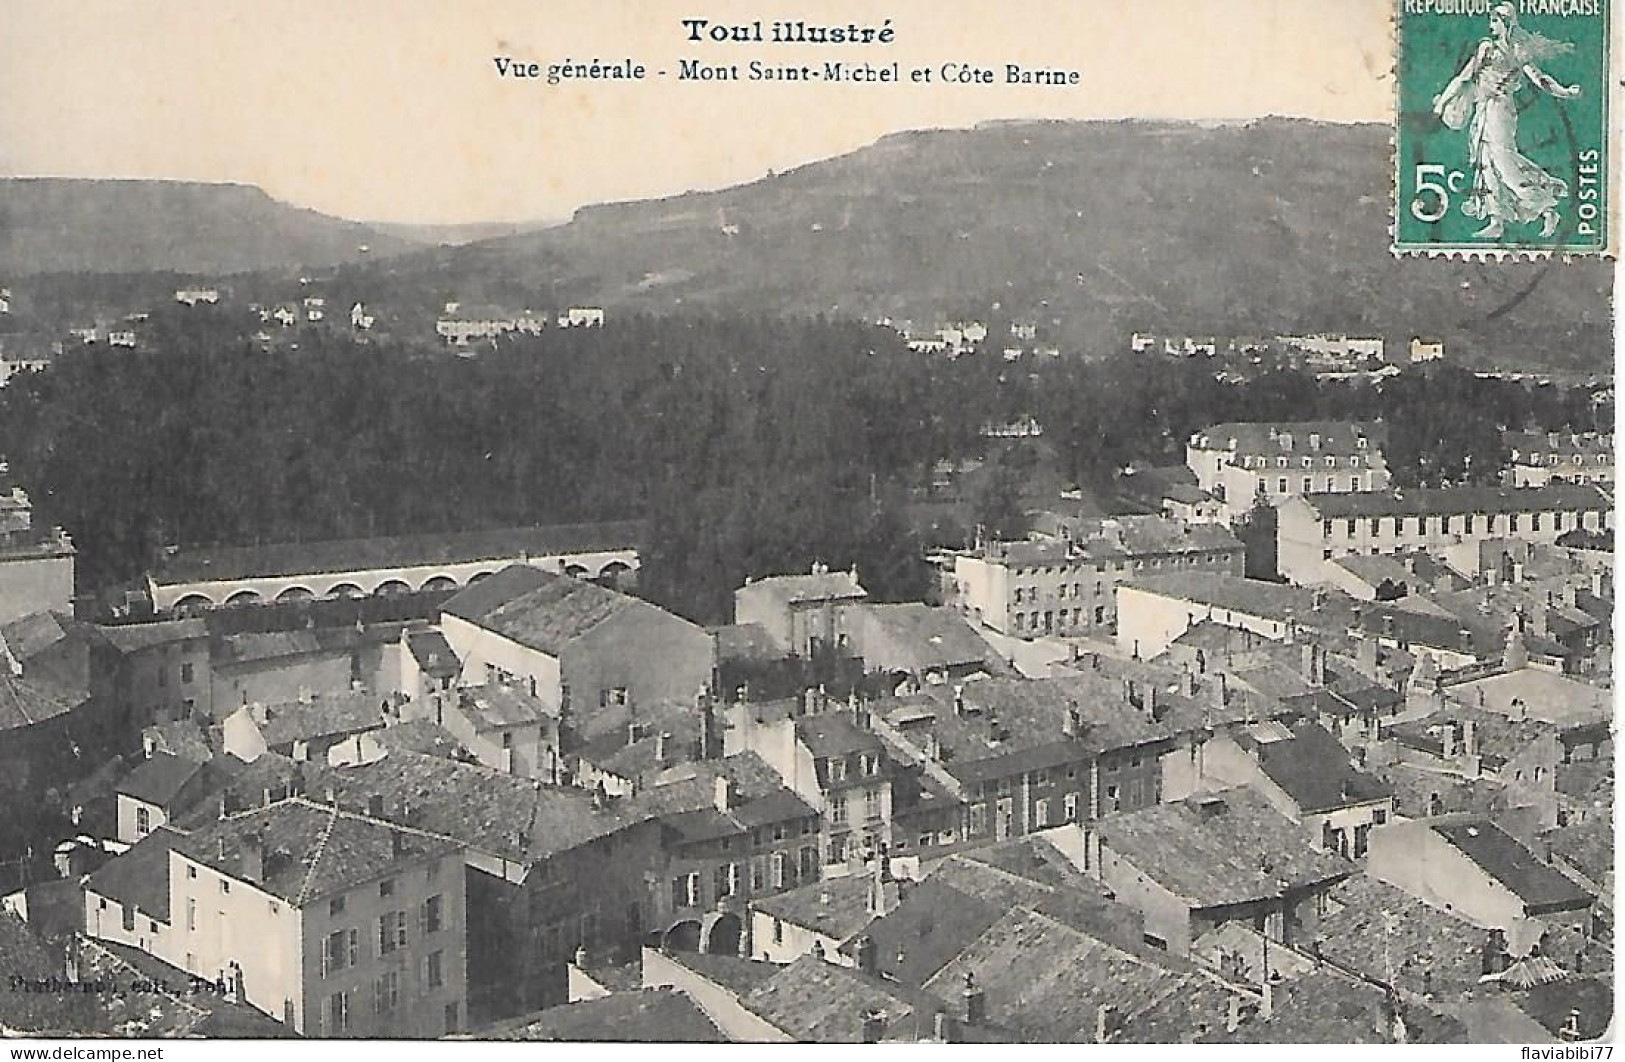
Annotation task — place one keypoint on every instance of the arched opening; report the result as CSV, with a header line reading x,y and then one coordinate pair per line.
x,y
244,597
392,588
617,575
345,590
192,604
439,583
574,571
684,936
477,577
723,937
294,593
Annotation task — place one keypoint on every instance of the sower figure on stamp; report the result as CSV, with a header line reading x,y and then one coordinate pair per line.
x,y
1506,185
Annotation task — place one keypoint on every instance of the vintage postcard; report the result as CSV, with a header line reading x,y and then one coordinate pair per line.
x,y
878,521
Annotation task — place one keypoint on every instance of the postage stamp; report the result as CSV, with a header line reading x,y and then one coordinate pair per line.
x,y
1501,134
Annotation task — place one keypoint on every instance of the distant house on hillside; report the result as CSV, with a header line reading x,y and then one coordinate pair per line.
x,y
193,296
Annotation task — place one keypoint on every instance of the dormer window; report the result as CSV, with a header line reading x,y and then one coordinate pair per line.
x,y
1359,444
837,770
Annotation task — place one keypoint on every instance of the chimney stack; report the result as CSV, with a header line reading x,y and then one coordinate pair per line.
x,y
1267,1009
975,1001
1232,1016
1103,1022
868,954
660,748
723,801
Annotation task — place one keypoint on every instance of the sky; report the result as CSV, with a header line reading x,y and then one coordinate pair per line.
x,y
392,110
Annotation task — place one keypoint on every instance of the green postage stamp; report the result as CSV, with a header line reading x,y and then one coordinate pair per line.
x,y
1502,126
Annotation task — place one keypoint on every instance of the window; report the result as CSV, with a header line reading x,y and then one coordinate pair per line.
x,y
186,673
1308,485
338,1013
191,872
871,804
685,890
837,770
340,949
434,969
1018,595
386,992
1041,813
433,914
225,887
809,862
1379,816
143,822
978,818
614,697
837,812
778,870
778,931
191,914
335,907
452,1018
1070,807
129,918
386,888
726,880
391,931
163,679
507,739
1281,486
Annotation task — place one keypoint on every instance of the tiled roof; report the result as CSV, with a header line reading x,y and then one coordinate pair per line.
x,y
1265,437
1550,1004
26,702
996,875
1046,980
1375,569
1545,695
434,655
745,641
134,637
182,738
650,1015
1232,593
420,736
822,586
1374,927
40,1013
498,705
32,634
310,850
1447,501
252,646
140,876
834,734
931,924
1314,769
739,976
365,554
838,908
346,713
1320,1007
1217,849
545,614
159,778
1539,886
927,637
819,1002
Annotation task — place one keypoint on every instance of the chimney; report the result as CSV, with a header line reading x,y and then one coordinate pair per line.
x,y
959,699
1448,742
397,844
1232,1016
375,805
1366,653
1187,683
868,954
1469,737
1266,1009
722,795
975,1001
1571,596
874,1026
330,796
942,1027
220,847
1516,655
660,748
1103,1022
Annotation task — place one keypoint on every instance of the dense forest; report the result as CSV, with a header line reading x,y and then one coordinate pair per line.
x,y
751,445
